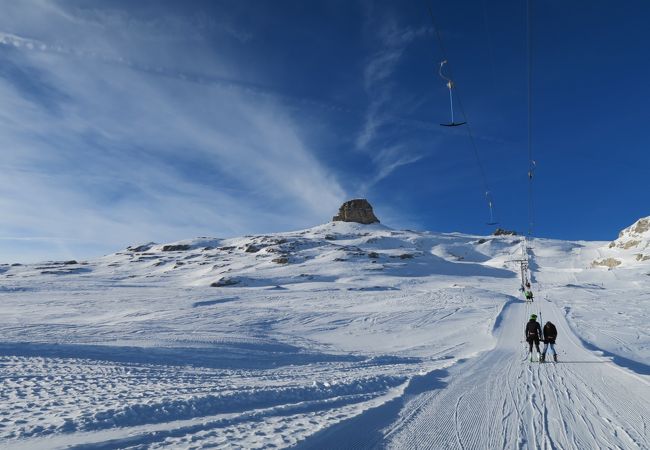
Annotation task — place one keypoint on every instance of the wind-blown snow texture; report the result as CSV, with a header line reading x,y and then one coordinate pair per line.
x,y
339,336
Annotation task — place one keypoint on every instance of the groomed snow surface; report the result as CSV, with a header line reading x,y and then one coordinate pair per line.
x,y
339,336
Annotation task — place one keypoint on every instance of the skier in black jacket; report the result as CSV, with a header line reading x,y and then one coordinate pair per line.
x,y
533,333
550,334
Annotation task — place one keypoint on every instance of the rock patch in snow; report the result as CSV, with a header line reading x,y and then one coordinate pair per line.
x,y
606,262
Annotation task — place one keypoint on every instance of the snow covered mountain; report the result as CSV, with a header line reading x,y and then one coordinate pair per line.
x,y
336,336
338,252
631,247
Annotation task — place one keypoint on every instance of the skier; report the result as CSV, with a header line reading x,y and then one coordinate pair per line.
x,y
529,295
550,334
533,332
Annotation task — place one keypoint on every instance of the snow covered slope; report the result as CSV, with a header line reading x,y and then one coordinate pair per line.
x,y
338,252
297,338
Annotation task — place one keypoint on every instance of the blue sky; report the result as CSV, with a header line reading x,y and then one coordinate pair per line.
x,y
124,122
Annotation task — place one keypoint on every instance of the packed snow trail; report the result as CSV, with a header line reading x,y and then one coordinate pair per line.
x,y
501,400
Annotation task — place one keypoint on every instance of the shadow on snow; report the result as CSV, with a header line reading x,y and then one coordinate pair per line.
x,y
367,430
223,355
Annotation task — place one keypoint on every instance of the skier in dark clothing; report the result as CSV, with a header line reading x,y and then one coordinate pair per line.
x,y
533,333
550,334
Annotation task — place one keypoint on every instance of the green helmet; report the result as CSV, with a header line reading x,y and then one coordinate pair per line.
x,y
533,316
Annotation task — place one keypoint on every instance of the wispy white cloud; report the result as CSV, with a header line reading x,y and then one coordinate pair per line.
x,y
390,41
387,160
96,149
391,158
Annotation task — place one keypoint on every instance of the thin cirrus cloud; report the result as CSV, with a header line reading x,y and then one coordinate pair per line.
x,y
374,136
99,150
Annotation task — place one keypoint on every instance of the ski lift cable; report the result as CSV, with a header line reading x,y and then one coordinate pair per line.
x,y
490,44
531,162
470,134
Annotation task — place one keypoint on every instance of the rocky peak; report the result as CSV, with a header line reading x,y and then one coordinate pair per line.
x,y
636,235
640,228
358,210
631,247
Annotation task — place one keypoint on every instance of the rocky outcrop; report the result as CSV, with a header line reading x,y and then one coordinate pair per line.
x,y
635,236
502,232
639,227
358,210
632,246
176,248
607,262
140,248
225,281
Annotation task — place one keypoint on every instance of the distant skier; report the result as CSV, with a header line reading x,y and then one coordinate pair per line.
x,y
529,296
550,334
533,332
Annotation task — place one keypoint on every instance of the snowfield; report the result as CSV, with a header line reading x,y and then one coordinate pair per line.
x,y
339,336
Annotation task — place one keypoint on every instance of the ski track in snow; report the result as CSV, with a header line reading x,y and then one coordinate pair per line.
x,y
44,396
367,338
502,401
